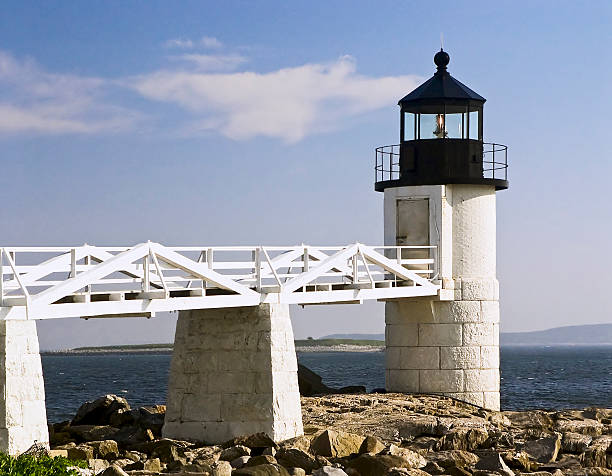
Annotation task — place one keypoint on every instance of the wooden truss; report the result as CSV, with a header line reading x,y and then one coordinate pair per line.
x,y
89,281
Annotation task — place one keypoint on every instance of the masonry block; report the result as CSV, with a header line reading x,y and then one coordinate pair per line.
x,y
233,372
441,381
457,311
402,380
402,334
440,334
478,334
460,357
478,289
415,358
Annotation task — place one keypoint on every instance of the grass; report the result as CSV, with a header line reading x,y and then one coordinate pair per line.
x,y
28,465
333,342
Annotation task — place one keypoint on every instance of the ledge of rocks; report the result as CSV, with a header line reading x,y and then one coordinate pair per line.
x,y
354,435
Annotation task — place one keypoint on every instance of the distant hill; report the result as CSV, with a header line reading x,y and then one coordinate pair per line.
x,y
572,335
355,336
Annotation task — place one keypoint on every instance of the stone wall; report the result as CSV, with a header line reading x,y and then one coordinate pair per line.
x,y
449,345
23,417
233,372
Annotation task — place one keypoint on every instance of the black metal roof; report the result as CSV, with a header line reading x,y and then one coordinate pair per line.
x,y
441,87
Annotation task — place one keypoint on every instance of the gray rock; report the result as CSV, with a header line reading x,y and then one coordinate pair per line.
x,y
412,458
467,439
371,444
80,452
494,462
113,470
262,470
221,468
100,410
261,459
575,442
105,449
543,450
296,472
329,471
233,452
297,458
239,462
377,465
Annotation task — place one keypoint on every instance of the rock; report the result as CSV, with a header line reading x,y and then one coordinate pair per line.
x,y
575,442
377,465
433,468
105,449
585,427
100,410
221,468
152,418
599,453
351,389
295,457
296,472
310,383
301,442
256,440
133,436
463,439
153,465
412,458
55,453
113,470
261,459
371,444
233,452
336,444
93,432
328,471
417,425
98,465
80,452
543,450
240,462
269,451
262,470
494,462
453,458
535,420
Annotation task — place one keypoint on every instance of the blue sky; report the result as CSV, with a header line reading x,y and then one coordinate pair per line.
x,y
255,123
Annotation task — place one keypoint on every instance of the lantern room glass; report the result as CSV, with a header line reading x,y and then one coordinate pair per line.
x,y
462,124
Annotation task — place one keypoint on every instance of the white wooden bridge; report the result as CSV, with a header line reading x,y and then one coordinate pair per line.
x,y
91,281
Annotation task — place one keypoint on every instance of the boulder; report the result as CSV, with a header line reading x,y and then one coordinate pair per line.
x,y
256,440
97,465
336,444
152,418
417,425
233,452
585,427
543,450
240,462
453,458
221,468
493,462
406,472
295,457
153,465
534,420
377,465
310,383
99,411
262,470
599,453
113,470
371,444
80,452
301,442
261,459
329,471
463,439
413,459
575,442
105,449
296,472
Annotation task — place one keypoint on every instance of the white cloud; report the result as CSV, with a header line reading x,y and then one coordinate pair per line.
x,y
179,43
289,103
33,100
210,42
186,44
211,62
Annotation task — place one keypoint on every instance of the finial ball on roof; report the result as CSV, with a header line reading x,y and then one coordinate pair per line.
x,y
441,59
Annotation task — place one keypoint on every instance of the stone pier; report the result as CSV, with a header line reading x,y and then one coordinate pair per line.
x,y
23,417
448,345
233,372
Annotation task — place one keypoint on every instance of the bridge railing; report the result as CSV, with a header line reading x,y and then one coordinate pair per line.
x,y
60,275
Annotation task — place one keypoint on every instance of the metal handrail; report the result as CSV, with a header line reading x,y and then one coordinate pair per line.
x,y
387,165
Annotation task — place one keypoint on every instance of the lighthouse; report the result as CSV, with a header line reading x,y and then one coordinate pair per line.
x,y
439,186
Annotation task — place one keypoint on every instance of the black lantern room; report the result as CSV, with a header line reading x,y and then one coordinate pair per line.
x,y
441,138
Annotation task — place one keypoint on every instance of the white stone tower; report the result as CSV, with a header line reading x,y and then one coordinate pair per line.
x,y
439,189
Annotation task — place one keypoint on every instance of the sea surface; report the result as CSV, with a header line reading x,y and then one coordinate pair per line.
x,y
532,377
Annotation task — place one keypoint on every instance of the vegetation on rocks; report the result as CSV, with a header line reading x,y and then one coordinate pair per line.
x,y
351,435
29,465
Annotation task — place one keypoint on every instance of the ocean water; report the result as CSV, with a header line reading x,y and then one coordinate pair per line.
x,y
532,377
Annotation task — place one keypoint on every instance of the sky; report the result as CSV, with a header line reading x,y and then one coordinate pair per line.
x,y
248,123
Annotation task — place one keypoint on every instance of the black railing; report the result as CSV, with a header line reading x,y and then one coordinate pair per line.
x,y
494,162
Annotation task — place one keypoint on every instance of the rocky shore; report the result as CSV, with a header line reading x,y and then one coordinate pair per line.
x,y
350,434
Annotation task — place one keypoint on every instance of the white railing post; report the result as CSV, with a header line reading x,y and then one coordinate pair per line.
x,y
1,277
258,269
145,274
72,262
355,269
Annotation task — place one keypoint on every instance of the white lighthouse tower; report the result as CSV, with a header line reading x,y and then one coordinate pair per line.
x,y
439,188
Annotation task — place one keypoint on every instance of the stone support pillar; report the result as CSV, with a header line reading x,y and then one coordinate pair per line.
x,y
23,417
233,372
448,345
